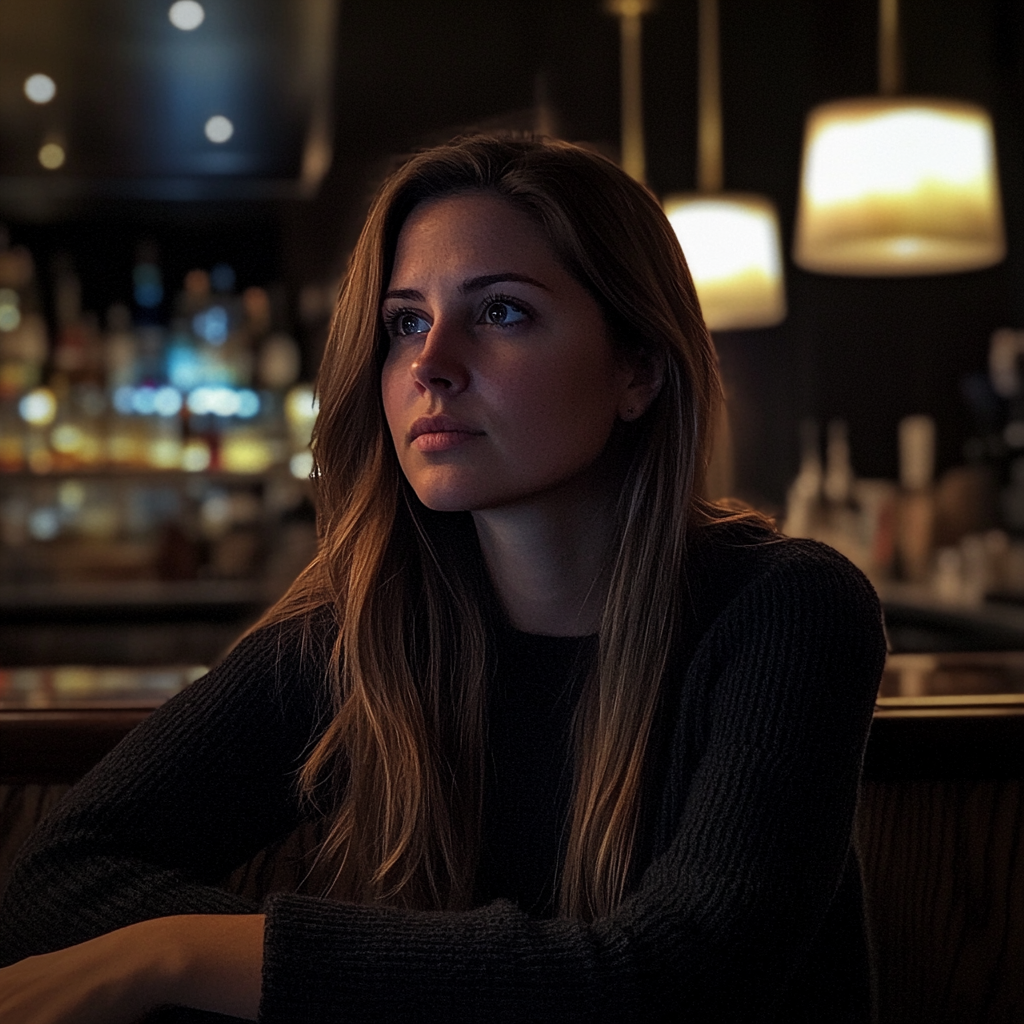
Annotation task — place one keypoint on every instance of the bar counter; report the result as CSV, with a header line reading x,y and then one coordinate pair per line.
x,y
940,824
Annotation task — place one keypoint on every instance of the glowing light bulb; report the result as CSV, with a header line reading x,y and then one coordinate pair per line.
x,y
731,243
897,187
186,15
40,88
38,407
51,156
219,129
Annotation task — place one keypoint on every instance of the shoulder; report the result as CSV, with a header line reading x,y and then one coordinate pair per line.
x,y
275,675
728,560
297,643
775,603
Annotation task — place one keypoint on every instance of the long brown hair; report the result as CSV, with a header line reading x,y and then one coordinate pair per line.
x,y
399,768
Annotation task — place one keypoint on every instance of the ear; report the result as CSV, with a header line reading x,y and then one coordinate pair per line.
x,y
644,380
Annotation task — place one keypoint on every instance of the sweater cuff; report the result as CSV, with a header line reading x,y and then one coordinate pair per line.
x,y
325,961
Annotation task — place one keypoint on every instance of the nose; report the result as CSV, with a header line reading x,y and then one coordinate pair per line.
x,y
440,364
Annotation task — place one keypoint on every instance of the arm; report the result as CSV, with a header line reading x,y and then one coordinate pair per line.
x,y
202,962
755,844
195,790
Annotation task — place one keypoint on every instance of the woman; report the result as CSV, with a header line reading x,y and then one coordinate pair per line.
x,y
586,745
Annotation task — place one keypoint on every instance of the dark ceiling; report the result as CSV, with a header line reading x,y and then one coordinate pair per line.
x,y
134,93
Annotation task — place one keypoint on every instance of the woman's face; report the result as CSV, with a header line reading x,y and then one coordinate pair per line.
x,y
500,384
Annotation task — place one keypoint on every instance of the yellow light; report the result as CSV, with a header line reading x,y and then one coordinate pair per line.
x,y
165,453
242,452
898,187
67,438
38,407
731,243
40,88
71,495
301,406
195,456
219,129
51,156
186,15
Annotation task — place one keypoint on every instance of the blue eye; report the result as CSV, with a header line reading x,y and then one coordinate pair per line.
x,y
404,323
502,313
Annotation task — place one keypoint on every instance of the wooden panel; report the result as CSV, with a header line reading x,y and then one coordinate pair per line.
x,y
22,807
59,746
944,872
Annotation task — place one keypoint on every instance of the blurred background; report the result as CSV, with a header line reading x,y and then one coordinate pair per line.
x,y
180,185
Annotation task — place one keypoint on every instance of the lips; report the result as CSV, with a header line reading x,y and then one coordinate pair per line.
x,y
439,433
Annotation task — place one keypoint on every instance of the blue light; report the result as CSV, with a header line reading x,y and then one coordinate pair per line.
x,y
222,401
167,401
212,325
184,366
44,523
123,400
248,403
144,401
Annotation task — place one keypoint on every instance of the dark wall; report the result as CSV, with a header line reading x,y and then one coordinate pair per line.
x,y
869,351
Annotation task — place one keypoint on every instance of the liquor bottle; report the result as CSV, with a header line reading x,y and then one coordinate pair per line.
x,y
841,514
917,498
803,500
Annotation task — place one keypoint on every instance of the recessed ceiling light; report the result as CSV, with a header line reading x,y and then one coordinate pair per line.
x,y
186,15
51,156
40,88
219,128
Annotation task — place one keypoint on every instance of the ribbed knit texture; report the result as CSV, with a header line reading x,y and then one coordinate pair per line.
x,y
747,900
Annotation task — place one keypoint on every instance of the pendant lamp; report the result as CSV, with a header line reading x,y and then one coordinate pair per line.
x,y
897,186
731,239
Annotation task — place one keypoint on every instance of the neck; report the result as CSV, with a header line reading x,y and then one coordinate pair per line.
x,y
549,559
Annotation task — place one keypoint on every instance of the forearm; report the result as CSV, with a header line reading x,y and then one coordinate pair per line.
x,y
207,962
210,961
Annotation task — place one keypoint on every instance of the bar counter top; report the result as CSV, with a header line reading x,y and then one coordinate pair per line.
x,y
947,715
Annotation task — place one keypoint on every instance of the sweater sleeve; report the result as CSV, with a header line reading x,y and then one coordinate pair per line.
x,y
722,918
192,792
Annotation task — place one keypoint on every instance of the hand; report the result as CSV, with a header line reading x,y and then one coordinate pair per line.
x,y
103,981
208,961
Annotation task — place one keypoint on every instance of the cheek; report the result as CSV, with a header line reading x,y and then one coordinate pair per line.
x,y
566,412
391,396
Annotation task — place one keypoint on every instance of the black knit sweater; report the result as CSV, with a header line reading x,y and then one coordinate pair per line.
x,y
747,902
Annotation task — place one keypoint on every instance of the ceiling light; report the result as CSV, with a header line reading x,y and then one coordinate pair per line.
x,y
51,156
734,251
219,129
40,88
898,186
731,240
186,15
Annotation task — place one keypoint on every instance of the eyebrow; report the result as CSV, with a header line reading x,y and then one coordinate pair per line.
x,y
472,284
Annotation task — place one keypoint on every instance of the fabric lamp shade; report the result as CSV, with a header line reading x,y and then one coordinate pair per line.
x,y
731,243
897,187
